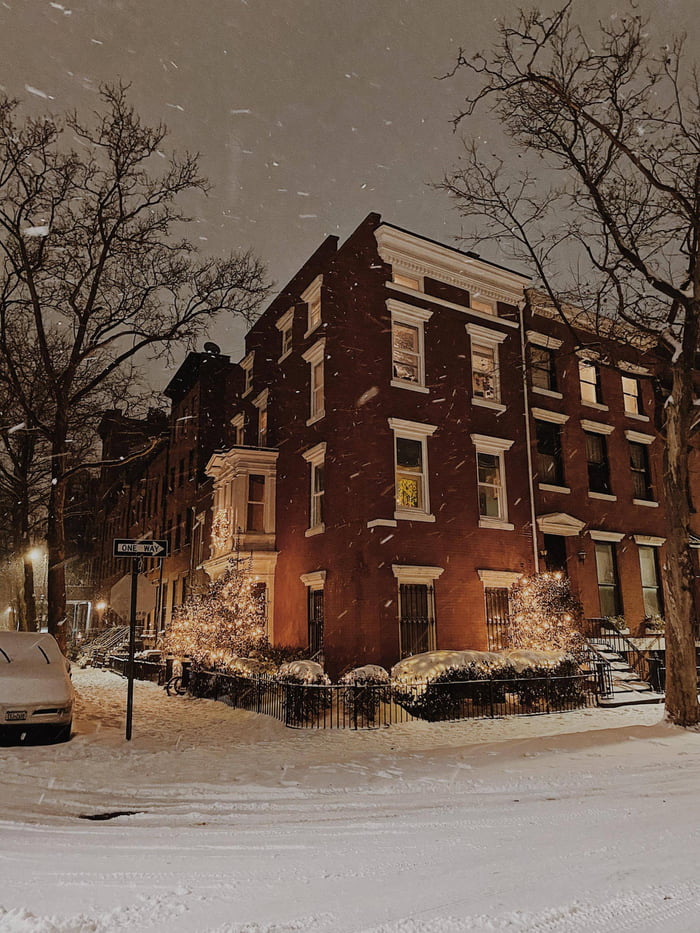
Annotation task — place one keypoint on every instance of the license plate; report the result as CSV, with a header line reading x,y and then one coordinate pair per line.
x,y
14,715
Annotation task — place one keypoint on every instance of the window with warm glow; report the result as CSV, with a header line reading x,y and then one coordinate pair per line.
x,y
406,352
484,372
651,588
256,503
608,582
589,377
631,395
490,485
410,478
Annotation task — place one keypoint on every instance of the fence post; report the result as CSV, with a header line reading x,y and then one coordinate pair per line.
x,y
546,691
491,698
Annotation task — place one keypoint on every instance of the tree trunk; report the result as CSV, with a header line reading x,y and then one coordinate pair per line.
x,y
681,679
29,598
56,541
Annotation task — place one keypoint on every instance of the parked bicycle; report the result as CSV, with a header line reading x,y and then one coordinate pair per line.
x,y
175,686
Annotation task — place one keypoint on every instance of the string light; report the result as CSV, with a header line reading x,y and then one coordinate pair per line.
x,y
545,615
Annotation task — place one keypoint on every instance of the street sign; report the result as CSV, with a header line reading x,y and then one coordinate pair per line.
x,y
132,547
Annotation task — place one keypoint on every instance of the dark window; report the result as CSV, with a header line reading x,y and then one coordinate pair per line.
x,y
497,617
555,553
416,619
597,459
543,372
608,581
651,588
639,464
550,464
256,503
315,622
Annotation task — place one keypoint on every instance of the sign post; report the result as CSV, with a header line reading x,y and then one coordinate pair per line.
x,y
137,550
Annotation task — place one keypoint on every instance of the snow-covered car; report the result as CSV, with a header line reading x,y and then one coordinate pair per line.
x,y
36,693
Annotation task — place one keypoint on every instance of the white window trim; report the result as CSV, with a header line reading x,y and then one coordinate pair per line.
x,y
649,503
246,365
314,355
596,427
382,523
284,323
638,438
611,537
491,339
550,393
542,340
407,573
495,446
413,430
649,540
604,496
544,414
552,487
316,580
414,317
503,579
315,457
308,296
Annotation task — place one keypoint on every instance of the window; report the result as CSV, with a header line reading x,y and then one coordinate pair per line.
x,y
407,281
416,597
486,388
410,473
261,404
178,531
316,458
190,464
238,423
491,487
631,395
256,503
485,305
407,340
314,357
247,367
651,589
639,465
608,583
312,298
597,461
284,326
589,376
550,462
542,368
188,526
497,617
315,583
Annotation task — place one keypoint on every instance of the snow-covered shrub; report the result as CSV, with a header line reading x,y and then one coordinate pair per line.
x,y
305,693
364,689
551,677
251,667
435,685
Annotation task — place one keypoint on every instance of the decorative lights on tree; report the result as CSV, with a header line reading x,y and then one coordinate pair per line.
x,y
545,615
221,528
224,623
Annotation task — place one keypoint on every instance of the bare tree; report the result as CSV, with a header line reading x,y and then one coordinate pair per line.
x,y
93,273
598,189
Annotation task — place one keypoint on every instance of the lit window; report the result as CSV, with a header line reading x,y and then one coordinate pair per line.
x,y
411,469
631,395
314,357
486,388
608,582
316,459
491,485
256,503
651,588
407,339
589,376
407,281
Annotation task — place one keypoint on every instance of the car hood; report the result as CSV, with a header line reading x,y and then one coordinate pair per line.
x,y
21,686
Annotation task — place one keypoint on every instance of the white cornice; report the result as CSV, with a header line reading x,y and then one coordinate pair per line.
x,y
425,258
499,578
560,523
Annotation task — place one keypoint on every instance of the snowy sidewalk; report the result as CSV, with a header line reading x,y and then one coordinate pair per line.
x,y
570,822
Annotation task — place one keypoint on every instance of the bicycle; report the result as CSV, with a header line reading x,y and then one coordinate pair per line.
x,y
175,686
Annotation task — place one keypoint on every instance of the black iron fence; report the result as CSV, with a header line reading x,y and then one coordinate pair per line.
x,y
143,670
337,706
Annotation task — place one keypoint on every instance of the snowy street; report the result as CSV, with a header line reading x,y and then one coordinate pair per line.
x,y
572,822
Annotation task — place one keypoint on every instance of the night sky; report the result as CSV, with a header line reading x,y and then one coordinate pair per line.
x,y
308,113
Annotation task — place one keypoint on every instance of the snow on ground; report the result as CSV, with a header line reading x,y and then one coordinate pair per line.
x,y
554,824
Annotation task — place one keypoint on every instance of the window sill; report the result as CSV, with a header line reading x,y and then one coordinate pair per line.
x,y
649,503
551,487
407,515
486,403
597,405
550,393
496,523
312,330
315,418
284,356
316,530
414,387
605,496
636,416
382,523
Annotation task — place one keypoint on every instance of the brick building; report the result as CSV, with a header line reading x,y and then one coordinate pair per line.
x,y
411,437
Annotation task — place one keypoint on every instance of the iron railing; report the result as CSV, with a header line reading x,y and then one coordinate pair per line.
x,y
620,644
338,706
143,670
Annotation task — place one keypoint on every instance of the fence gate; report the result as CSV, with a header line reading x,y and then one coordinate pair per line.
x,y
497,617
315,622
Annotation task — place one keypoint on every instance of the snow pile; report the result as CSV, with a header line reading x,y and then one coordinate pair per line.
x,y
522,659
250,667
362,676
442,665
303,672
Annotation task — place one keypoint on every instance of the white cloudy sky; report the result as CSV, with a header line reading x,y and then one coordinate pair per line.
x,y
308,113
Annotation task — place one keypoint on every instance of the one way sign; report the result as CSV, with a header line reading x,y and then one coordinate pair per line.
x,y
131,547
